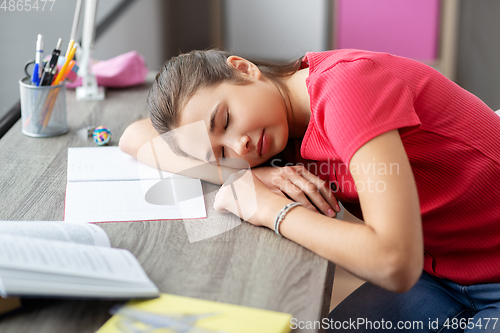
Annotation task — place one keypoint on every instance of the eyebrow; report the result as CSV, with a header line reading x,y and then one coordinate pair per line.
x,y
213,115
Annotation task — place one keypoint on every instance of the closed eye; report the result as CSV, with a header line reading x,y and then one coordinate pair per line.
x,y
225,128
227,120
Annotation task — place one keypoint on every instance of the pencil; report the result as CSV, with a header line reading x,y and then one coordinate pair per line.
x,y
62,73
51,98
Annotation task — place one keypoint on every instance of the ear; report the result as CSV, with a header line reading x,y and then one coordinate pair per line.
x,y
245,67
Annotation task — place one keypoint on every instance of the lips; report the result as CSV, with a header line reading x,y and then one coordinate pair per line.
x,y
259,144
263,144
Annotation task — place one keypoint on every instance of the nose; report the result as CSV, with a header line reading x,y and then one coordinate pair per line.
x,y
242,145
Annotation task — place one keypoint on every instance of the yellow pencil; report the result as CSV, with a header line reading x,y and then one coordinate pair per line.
x,y
62,72
70,46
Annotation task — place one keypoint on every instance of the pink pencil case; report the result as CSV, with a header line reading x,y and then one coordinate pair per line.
x,y
125,70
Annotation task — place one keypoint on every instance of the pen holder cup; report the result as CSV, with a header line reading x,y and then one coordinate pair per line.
x,y
43,109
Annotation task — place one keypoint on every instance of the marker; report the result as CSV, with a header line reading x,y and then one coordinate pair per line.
x,y
51,67
39,54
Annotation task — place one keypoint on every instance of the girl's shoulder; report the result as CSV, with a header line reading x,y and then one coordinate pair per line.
x,y
322,61
319,62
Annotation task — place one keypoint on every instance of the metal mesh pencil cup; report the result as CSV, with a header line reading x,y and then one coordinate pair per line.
x,y
43,109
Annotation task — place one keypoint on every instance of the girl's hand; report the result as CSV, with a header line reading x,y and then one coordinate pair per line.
x,y
244,195
300,185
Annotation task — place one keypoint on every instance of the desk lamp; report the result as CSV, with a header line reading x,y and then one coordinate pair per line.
x,y
89,91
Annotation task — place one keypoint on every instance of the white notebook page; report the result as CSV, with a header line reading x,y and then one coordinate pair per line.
x,y
107,185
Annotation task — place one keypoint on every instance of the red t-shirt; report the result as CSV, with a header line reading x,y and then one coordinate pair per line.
x,y
451,137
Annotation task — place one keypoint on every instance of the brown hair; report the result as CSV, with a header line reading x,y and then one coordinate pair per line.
x,y
181,76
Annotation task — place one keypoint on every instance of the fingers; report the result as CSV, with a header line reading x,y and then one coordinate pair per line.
x,y
297,194
322,186
278,192
309,189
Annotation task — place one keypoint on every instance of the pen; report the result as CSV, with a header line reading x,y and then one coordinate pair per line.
x,y
51,67
35,79
39,55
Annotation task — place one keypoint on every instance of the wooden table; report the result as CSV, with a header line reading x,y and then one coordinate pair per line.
x,y
247,265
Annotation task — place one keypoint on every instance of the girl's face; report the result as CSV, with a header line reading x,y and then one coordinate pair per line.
x,y
247,121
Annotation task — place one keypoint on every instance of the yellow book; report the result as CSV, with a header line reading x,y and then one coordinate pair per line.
x,y
172,314
9,304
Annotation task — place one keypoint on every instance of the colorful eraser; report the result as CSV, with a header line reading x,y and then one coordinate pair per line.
x,y
101,135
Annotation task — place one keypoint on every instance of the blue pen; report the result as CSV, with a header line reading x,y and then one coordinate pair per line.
x,y
35,79
37,70
39,55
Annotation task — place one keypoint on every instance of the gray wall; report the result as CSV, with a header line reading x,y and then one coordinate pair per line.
x,y
276,29
140,28
273,29
478,62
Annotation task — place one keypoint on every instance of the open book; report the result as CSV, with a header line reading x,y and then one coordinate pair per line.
x,y
67,260
107,185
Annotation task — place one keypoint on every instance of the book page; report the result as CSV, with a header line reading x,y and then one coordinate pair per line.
x,y
61,231
125,201
21,255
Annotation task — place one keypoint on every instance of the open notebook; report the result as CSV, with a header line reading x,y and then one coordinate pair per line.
x,y
107,185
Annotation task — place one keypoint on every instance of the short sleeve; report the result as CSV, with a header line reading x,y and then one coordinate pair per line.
x,y
358,100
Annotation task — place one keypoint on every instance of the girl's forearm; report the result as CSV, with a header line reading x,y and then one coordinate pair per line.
x,y
142,141
353,246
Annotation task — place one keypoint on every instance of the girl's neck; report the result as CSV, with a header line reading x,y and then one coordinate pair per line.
x,y
297,103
